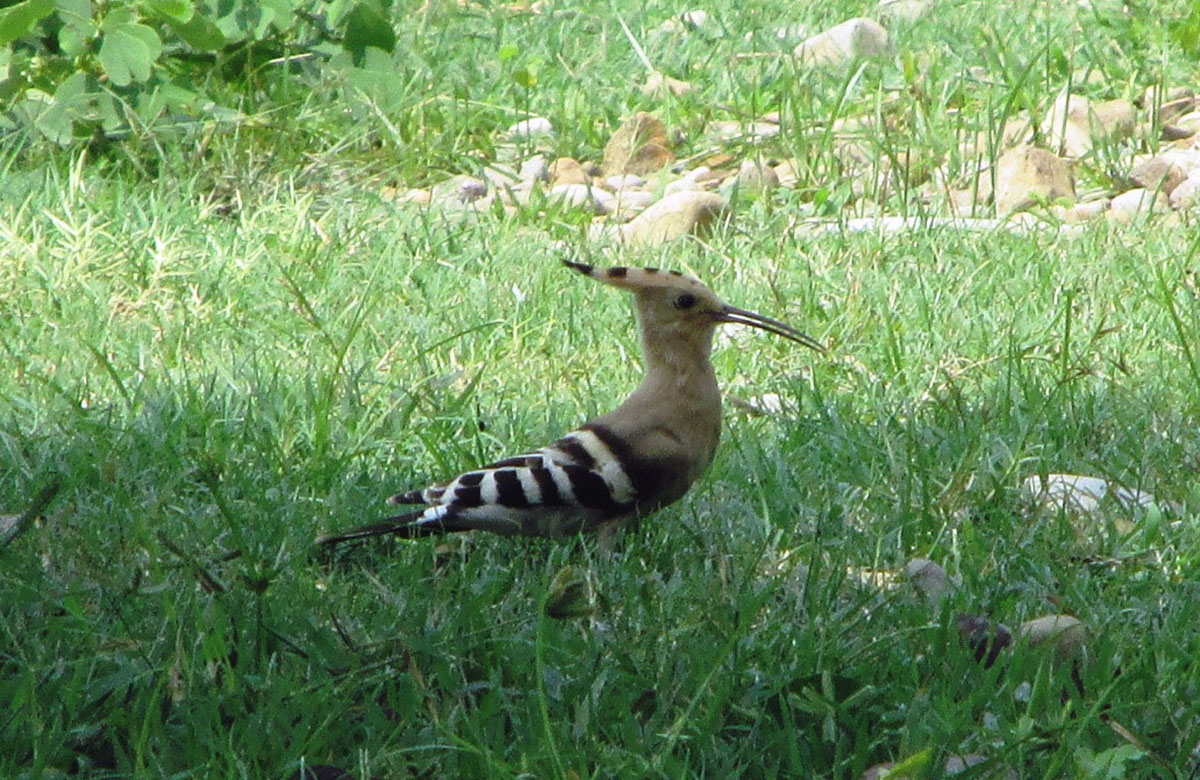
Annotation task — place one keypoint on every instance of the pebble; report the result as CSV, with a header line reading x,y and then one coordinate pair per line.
x,y
1066,634
534,169
1027,174
1075,125
929,579
531,128
1077,493
852,39
725,130
639,146
568,170
1136,202
1185,195
1085,212
460,189
676,215
624,181
1158,172
584,196
756,178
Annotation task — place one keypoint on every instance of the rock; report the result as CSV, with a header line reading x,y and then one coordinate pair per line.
x,y
632,201
1157,173
985,641
1075,493
532,127
1026,174
415,197
857,38
1067,635
499,176
685,184
788,172
756,178
624,181
695,18
659,85
1114,120
725,130
1187,125
1174,109
1185,195
567,170
699,178
675,215
639,146
460,189
1085,212
1187,160
1075,124
1130,205
1154,95
584,196
929,579
903,10
534,169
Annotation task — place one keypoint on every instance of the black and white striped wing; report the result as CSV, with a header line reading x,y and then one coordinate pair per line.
x,y
572,485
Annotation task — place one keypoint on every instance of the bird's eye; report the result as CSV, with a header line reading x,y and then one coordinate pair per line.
x,y
685,301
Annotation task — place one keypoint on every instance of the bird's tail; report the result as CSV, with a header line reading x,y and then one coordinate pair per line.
x,y
413,525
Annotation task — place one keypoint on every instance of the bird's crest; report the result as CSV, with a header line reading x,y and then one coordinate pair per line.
x,y
634,279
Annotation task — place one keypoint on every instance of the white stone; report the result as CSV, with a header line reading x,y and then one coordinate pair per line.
x,y
535,169
1075,124
1185,195
1073,492
531,128
1084,212
1129,205
624,181
633,200
675,216
695,19
583,196
903,10
852,39
1187,160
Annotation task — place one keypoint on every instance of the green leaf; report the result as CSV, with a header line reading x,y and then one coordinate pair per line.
x,y
17,20
526,77
180,11
280,13
200,32
54,115
77,26
508,51
367,27
129,49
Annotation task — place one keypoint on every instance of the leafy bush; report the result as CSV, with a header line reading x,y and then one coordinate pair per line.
x,y
72,69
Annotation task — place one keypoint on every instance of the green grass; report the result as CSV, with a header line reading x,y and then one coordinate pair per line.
x,y
221,362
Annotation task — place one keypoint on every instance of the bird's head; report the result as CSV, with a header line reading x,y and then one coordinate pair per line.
x,y
675,310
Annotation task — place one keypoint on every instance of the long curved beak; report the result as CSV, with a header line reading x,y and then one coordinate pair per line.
x,y
743,317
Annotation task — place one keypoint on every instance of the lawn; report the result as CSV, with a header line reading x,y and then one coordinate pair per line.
x,y
222,342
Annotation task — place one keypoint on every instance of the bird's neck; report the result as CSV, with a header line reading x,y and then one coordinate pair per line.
x,y
679,368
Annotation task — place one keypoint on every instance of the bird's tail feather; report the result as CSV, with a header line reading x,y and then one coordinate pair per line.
x,y
413,525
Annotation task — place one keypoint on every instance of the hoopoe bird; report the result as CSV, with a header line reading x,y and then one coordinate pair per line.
x,y
629,463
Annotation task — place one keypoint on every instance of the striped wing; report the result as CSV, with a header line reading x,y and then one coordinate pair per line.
x,y
572,485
